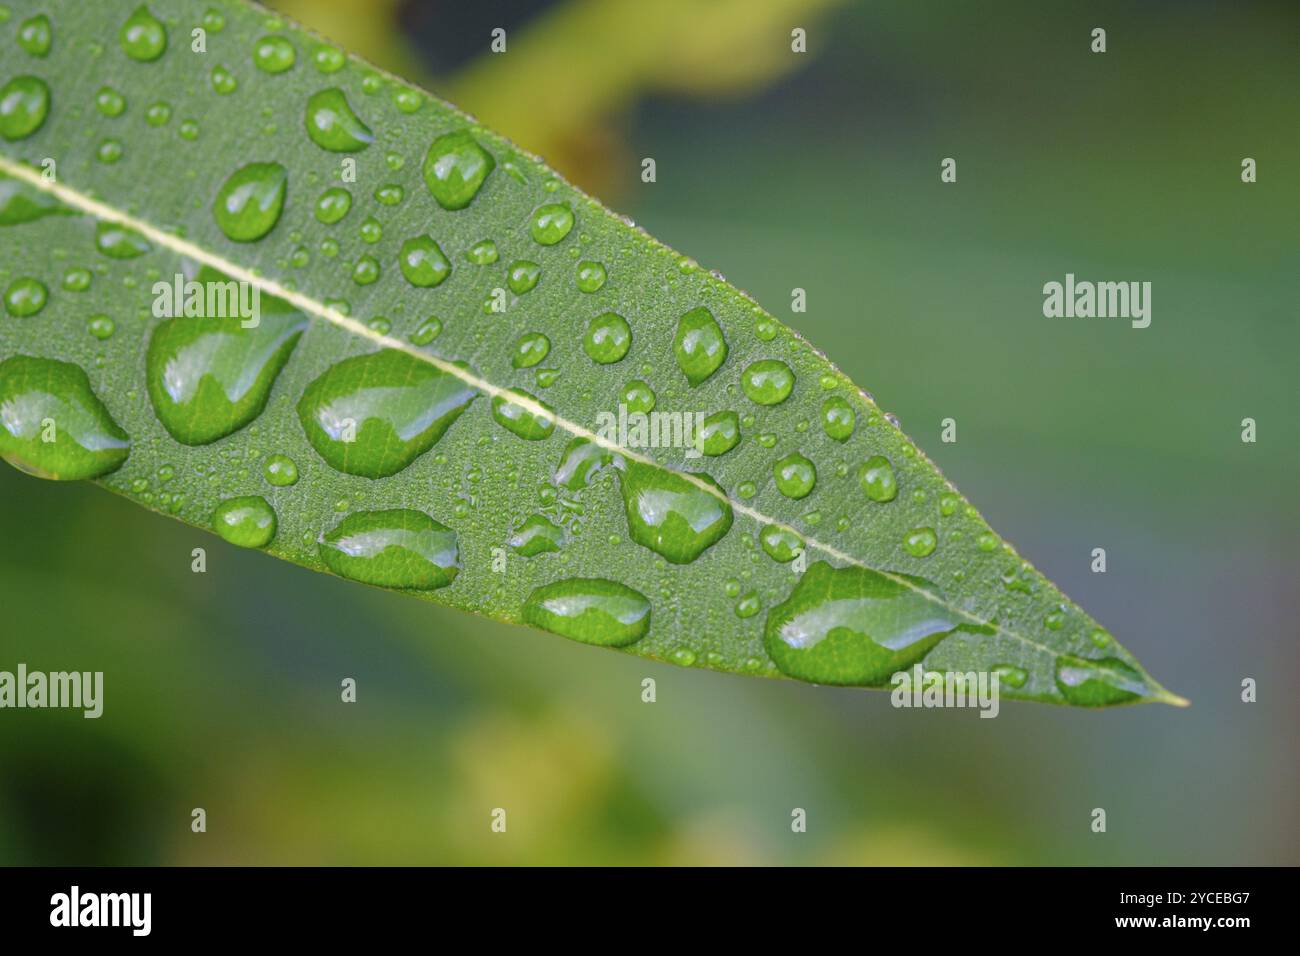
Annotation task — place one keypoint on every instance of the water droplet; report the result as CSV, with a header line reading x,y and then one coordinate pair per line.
x,y
247,521
109,151
781,544
158,114
920,542
795,476
608,338
767,382
213,20
1011,675
118,242
143,37
423,262
1098,683
671,514
638,397
333,125
531,348
223,81
19,203
248,206
987,541
401,548
748,605
53,425
523,414
25,297
109,101
877,479
24,104
333,204
280,470
591,276
429,330
208,375
483,253
837,418
1054,621
765,329
551,223
537,535
523,276
328,59
456,168
407,100
393,406
699,345
591,610
720,434
853,626
365,271
274,54
948,504
76,280
189,130
101,327
1099,638
581,461
35,35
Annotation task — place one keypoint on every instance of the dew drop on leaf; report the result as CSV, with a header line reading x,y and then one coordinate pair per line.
x,y
837,418
720,434
767,382
591,610
280,470
590,276
608,338
523,414
24,104
248,205
920,542
699,346
247,521
551,223
1099,683
143,37
530,349
35,35
333,125
25,297
671,514
274,54
455,168
877,479
537,535
795,476
400,548
523,276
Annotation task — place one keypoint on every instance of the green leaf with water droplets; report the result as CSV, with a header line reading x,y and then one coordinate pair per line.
x,y
283,297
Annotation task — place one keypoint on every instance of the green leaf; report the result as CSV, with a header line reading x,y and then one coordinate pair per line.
x,y
456,376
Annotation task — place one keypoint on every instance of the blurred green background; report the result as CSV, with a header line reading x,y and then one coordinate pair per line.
x,y
822,172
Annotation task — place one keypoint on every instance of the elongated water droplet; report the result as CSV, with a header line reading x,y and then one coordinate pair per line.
x,y
52,424
372,415
455,169
591,610
24,104
672,515
209,376
795,476
720,434
248,206
35,35
767,382
247,521
1098,683
143,37
401,548
877,479
853,626
523,414
118,242
25,297
423,262
581,461
608,338
1011,675
429,330
19,203
333,125
537,535
837,418
699,346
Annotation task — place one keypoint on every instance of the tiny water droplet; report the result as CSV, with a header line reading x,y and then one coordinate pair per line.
x,y
35,35
333,204
537,535
523,414
247,521
523,276
109,101
428,330
638,397
671,514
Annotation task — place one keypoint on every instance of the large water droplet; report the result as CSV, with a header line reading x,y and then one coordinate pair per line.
x,y
247,521
767,381
423,262
537,535
373,415
671,514
853,626
877,479
523,414
795,476
143,37
248,206
207,374
456,168
581,461
699,345
401,548
591,610
24,104
53,425
608,338
332,124
25,297
1098,683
